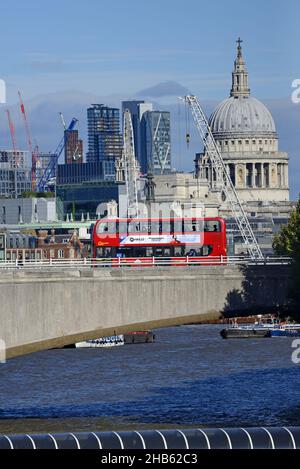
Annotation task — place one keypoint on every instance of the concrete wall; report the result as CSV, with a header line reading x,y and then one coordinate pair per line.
x,y
40,310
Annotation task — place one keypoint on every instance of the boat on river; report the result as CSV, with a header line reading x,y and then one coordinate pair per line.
x,y
261,330
139,337
245,332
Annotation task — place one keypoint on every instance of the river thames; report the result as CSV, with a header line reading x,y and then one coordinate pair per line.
x,y
189,377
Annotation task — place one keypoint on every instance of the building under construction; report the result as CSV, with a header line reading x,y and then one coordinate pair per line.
x,y
15,173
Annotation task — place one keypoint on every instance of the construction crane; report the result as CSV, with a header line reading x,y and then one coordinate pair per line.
x,y
50,171
11,130
223,179
34,151
131,166
16,157
63,121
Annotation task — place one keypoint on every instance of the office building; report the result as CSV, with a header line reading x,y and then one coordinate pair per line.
x,y
137,110
105,142
157,131
81,173
73,147
15,173
89,199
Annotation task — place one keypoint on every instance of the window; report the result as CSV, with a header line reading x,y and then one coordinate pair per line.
x,y
102,228
193,251
123,227
149,252
145,226
112,227
60,254
193,226
154,226
99,253
166,226
178,251
207,250
212,226
106,227
108,252
178,226
134,226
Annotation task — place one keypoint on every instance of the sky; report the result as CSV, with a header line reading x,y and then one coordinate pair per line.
x,y
121,47
117,49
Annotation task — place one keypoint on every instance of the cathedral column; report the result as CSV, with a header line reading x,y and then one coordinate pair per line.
x,y
286,170
253,175
236,174
262,177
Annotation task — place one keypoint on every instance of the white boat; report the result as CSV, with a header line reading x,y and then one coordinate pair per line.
x,y
102,342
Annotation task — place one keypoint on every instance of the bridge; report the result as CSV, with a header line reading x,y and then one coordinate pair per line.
x,y
46,307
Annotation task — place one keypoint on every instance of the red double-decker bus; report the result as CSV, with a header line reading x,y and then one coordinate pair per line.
x,y
175,239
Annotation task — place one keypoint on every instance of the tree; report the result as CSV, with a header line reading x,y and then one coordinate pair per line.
x,y
287,243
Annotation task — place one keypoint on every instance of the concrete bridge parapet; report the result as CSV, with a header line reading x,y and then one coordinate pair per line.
x,y
46,309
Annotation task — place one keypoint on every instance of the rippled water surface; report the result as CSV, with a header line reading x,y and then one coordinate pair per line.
x,y
189,377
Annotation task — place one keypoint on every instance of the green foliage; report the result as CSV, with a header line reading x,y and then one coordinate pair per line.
x,y
287,243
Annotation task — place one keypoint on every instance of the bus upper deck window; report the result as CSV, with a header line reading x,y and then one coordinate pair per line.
x,y
122,227
134,226
112,227
145,226
155,227
102,227
177,226
212,226
188,226
166,226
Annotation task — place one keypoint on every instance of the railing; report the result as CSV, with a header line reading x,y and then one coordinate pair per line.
x,y
287,438
88,263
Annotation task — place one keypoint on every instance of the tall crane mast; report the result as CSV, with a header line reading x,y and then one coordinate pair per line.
x,y
223,179
131,166
50,171
16,157
33,150
12,133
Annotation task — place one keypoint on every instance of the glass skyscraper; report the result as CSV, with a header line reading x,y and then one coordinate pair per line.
x,y
137,110
157,131
105,141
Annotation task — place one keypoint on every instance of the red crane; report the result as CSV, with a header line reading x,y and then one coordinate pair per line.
x,y
12,130
34,151
13,138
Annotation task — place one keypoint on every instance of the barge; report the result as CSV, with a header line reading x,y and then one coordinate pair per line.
x,y
245,332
